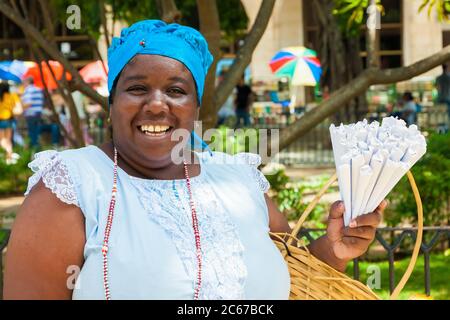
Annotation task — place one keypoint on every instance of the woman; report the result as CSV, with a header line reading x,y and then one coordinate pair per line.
x,y
143,226
7,104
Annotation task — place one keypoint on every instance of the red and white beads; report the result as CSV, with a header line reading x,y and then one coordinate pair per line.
x,y
112,204
105,247
196,232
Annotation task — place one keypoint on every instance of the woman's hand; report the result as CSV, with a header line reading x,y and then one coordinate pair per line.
x,y
342,244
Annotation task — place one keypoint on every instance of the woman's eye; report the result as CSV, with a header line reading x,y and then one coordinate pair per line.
x,y
176,91
136,89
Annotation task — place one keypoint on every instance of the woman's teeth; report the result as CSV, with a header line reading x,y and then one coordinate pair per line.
x,y
154,131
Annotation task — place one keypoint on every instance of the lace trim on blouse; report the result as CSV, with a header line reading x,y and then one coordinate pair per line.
x,y
254,161
223,268
48,166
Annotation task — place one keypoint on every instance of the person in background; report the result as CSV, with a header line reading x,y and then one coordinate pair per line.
x,y
33,103
48,124
7,103
409,109
243,102
443,88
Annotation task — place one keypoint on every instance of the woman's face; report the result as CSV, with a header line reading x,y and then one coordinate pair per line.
x,y
154,96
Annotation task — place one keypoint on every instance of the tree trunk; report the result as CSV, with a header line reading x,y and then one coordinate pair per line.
x,y
332,51
168,11
210,28
373,60
244,54
355,67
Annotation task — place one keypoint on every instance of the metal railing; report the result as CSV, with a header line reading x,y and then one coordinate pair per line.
x,y
392,244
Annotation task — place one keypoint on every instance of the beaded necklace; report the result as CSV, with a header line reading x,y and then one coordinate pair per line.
x,y
109,222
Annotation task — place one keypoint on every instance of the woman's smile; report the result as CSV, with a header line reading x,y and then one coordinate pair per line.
x,y
155,131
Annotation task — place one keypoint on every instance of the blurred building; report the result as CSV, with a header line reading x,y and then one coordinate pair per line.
x,y
405,35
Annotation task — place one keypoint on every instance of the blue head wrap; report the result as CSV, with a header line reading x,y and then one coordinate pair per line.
x,y
175,41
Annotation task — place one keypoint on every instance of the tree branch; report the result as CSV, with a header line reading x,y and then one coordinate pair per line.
x,y
168,10
357,86
371,40
210,28
244,54
48,21
53,52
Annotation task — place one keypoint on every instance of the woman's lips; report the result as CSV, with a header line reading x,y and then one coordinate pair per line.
x,y
155,132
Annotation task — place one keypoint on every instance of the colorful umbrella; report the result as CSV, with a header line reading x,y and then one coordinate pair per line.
x,y
94,72
14,70
6,74
35,73
298,63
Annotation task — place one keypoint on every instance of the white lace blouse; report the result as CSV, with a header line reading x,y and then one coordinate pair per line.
x,y
152,245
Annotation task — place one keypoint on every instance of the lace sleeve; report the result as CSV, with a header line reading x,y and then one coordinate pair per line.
x,y
48,166
254,161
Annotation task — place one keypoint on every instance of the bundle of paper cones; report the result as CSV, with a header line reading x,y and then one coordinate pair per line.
x,y
371,159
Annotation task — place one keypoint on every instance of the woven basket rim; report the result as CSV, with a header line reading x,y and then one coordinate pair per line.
x,y
319,266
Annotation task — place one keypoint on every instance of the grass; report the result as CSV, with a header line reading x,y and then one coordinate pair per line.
x,y
2,235
415,287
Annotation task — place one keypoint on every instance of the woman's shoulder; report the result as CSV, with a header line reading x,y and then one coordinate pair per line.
x,y
222,158
64,172
241,165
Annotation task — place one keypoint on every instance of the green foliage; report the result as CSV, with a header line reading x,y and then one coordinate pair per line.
x,y
129,11
440,287
2,236
232,16
351,13
233,19
233,141
14,178
442,8
290,197
432,175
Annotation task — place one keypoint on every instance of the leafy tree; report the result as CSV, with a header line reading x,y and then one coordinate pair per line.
x,y
432,174
442,8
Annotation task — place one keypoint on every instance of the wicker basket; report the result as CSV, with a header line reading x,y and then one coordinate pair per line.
x,y
312,279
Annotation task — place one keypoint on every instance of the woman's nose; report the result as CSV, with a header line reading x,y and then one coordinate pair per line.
x,y
156,103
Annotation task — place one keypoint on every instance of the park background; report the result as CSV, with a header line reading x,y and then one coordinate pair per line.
x,y
365,71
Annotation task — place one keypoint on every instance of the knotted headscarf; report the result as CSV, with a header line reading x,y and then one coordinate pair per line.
x,y
175,41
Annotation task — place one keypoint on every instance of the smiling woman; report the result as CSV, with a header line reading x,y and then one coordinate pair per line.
x,y
136,224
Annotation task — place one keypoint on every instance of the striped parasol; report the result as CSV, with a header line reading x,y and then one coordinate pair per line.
x,y
300,64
